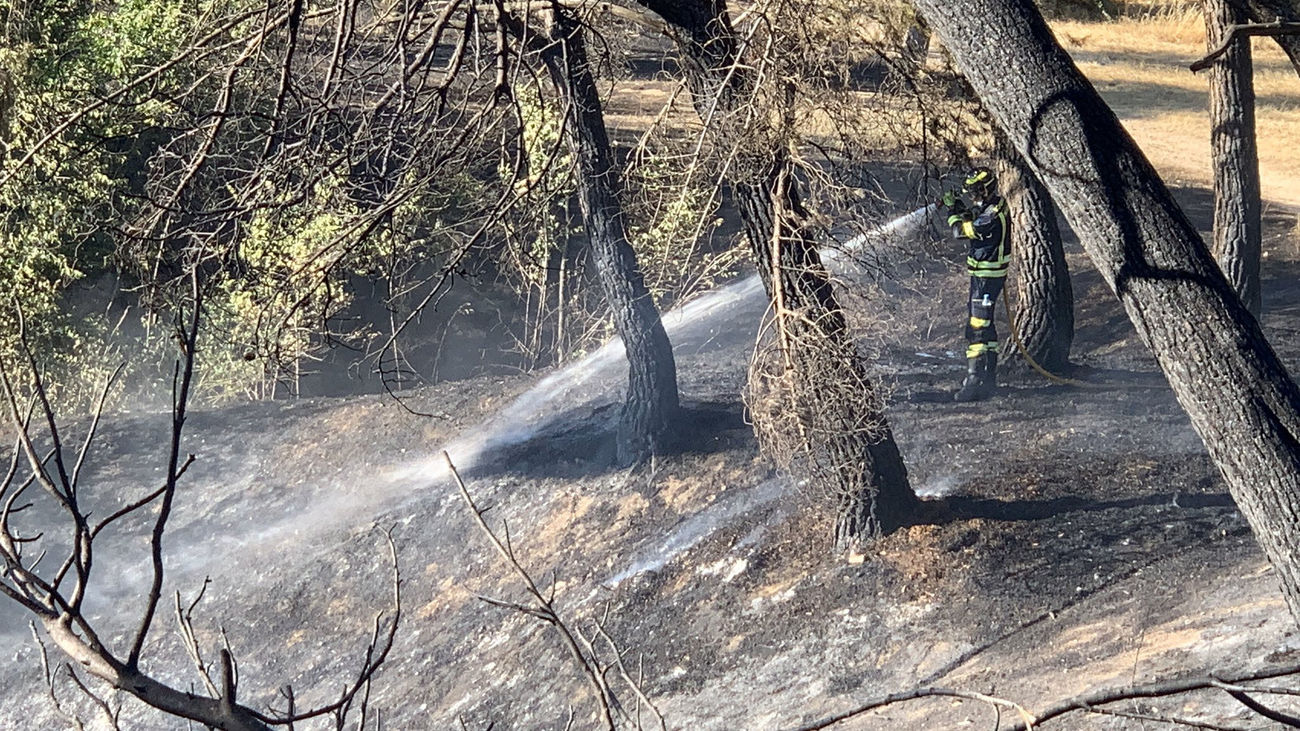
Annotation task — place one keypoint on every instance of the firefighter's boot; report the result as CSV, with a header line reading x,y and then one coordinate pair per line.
x,y
981,377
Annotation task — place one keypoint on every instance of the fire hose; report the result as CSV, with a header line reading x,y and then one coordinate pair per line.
x,y
1024,353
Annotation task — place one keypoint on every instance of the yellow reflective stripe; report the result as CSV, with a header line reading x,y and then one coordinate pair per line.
x,y
974,263
954,219
985,274
1004,246
978,322
974,350
977,265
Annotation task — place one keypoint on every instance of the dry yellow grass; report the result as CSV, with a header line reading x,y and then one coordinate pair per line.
x,y
1140,68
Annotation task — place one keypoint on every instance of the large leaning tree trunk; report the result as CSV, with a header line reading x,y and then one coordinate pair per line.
x,y
829,421
1044,310
1236,392
651,407
1233,154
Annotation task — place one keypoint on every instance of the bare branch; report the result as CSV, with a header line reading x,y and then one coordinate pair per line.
x,y
185,621
109,714
1028,718
98,413
1155,690
48,676
180,400
1172,720
540,608
1233,32
229,683
134,506
1285,719
634,684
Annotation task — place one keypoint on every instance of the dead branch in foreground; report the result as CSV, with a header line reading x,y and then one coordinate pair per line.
x,y
1090,702
45,472
581,648
892,698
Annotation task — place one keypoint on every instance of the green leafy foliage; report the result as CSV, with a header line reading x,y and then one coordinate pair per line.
x,y
65,190
272,311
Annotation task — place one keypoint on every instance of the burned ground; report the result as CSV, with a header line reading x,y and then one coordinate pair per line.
x,y
1080,538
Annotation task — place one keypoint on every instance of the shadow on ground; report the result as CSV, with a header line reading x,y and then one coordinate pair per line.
x,y
572,445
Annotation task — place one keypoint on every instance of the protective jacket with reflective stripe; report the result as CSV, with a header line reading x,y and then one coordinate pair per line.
x,y
989,237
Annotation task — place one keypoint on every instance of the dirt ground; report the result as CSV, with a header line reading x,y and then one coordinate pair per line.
x,y
1141,69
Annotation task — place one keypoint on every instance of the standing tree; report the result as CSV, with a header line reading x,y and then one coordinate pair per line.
x,y
1233,153
1044,309
825,416
1232,385
650,409
1274,11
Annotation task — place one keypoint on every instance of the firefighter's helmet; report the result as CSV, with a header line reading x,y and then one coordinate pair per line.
x,y
981,184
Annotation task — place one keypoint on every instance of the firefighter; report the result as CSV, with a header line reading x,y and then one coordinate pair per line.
x,y
987,230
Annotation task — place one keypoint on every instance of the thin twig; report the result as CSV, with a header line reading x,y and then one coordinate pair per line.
x,y
1027,718
541,608
1156,690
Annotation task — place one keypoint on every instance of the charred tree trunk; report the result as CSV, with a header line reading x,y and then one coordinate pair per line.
x,y
915,51
1222,370
1044,310
848,445
916,44
1233,154
845,440
651,407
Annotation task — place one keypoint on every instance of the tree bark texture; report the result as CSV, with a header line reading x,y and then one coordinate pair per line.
x,y
1233,154
1044,309
847,439
851,445
651,407
1287,11
1236,392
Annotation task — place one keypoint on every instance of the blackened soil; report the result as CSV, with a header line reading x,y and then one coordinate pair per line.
x,y
1078,538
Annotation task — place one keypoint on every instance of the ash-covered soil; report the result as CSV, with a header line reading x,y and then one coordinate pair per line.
x,y
1081,539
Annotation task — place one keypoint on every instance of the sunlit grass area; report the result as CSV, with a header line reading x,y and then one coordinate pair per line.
x,y
1138,62
1140,66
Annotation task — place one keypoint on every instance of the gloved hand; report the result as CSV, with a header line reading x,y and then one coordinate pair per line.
x,y
957,211
954,204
